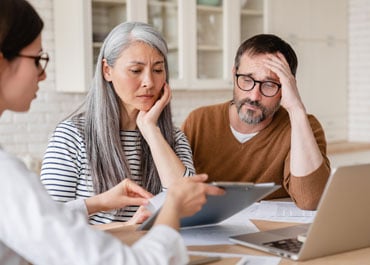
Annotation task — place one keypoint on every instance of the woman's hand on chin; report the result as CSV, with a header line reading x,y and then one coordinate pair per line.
x,y
147,120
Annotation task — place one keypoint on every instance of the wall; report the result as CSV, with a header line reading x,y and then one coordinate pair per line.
x,y
27,134
359,71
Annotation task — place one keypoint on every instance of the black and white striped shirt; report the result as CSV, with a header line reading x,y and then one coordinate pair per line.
x,y
66,176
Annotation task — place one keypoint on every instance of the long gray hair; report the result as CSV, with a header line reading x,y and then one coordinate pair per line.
x,y
107,161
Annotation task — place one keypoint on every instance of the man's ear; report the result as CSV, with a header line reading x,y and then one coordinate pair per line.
x,y
233,71
107,71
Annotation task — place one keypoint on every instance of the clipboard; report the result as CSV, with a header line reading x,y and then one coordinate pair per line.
x,y
238,196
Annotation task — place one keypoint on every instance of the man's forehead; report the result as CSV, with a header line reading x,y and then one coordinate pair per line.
x,y
255,66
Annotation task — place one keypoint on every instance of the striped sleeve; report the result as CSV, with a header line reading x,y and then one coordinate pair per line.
x,y
183,151
62,164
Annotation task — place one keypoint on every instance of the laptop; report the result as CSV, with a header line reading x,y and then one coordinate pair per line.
x,y
238,196
342,221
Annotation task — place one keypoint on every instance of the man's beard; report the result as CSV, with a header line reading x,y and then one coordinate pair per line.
x,y
250,116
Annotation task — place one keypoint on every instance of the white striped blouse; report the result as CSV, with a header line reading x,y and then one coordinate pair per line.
x,y
66,176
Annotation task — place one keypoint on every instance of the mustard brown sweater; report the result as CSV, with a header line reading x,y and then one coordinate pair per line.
x,y
264,158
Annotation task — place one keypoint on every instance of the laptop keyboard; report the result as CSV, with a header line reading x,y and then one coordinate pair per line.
x,y
291,244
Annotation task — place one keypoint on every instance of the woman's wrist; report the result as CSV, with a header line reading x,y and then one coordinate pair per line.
x,y
93,204
169,214
151,133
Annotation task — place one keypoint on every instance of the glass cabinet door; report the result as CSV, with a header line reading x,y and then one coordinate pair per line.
x,y
209,27
163,15
106,14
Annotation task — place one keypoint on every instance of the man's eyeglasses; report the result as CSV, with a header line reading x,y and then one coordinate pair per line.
x,y
247,83
41,60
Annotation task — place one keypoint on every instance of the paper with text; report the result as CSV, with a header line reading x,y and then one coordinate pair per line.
x,y
280,212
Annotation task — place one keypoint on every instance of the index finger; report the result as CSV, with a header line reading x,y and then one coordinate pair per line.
x,y
166,97
214,190
141,192
163,99
198,177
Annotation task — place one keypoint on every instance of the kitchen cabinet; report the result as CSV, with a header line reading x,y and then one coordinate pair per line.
x,y
317,30
202,38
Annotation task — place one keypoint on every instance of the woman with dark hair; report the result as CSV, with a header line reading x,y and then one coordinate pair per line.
x,y
33,228
123,131
20,27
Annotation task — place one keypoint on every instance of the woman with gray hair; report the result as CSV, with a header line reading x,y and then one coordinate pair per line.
x,y
123,130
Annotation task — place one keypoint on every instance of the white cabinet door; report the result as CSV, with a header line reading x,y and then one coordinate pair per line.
x,y
73,45
317,31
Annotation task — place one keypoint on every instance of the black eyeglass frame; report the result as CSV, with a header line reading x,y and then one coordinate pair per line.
x,y
257,82
43,56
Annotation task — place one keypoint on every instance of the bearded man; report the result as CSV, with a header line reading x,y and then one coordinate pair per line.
x,y
264,134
